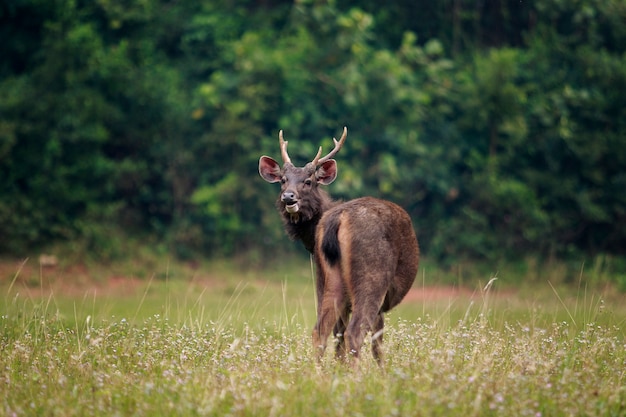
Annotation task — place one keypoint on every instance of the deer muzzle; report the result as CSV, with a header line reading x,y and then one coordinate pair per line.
x,y
289,199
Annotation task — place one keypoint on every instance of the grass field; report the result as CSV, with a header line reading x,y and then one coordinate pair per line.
x,y
230,342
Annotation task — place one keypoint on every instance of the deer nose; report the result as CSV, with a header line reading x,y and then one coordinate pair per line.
x,y
288,197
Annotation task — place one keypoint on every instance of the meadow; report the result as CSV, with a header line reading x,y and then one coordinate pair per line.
x,y
224,341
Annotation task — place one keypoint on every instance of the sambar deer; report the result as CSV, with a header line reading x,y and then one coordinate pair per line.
x,y
365,250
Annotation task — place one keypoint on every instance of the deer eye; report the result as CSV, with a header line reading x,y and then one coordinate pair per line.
x,y
283,180
308,181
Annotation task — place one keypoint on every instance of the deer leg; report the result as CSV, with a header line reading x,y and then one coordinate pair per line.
x,y
320,334
367,316
377,338
331,313
329,319
339,333
363,320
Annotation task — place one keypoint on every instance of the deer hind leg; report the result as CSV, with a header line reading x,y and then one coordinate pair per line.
x,y
365,318
331,312
339,333
377,338
367,314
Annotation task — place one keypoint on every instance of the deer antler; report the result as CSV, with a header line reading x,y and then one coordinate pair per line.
x,y
338,144
283,148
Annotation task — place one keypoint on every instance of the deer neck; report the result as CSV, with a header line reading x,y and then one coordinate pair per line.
x,y
302,229
305,232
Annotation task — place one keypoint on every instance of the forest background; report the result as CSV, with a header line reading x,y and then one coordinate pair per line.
x,y
499,125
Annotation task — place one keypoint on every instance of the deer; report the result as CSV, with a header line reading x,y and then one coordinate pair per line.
x,y
365,251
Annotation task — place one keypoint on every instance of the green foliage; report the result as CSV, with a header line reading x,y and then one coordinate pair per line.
x,y
500,126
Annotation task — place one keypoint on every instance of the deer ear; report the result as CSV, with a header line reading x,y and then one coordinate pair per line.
x,y
269,169
327,172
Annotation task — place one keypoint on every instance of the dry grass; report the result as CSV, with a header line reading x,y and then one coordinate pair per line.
x,y
180,348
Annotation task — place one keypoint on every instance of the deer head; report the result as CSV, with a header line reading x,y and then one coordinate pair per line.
x,y
300,198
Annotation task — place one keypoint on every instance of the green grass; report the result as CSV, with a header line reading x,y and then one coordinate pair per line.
x,y
239,344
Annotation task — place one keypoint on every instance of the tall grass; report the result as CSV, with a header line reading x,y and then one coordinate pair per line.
x,y
245,350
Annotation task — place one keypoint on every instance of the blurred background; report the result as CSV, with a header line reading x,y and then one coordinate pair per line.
x,y
499,125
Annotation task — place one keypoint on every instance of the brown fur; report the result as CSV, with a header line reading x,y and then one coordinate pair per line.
x,y
365,251
376,266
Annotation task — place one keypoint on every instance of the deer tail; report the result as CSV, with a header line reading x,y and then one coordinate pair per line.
x,y
330,241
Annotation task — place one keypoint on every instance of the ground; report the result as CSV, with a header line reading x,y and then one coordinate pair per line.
x,y
77,279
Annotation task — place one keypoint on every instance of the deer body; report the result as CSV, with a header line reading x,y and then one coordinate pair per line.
x,y
365,251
